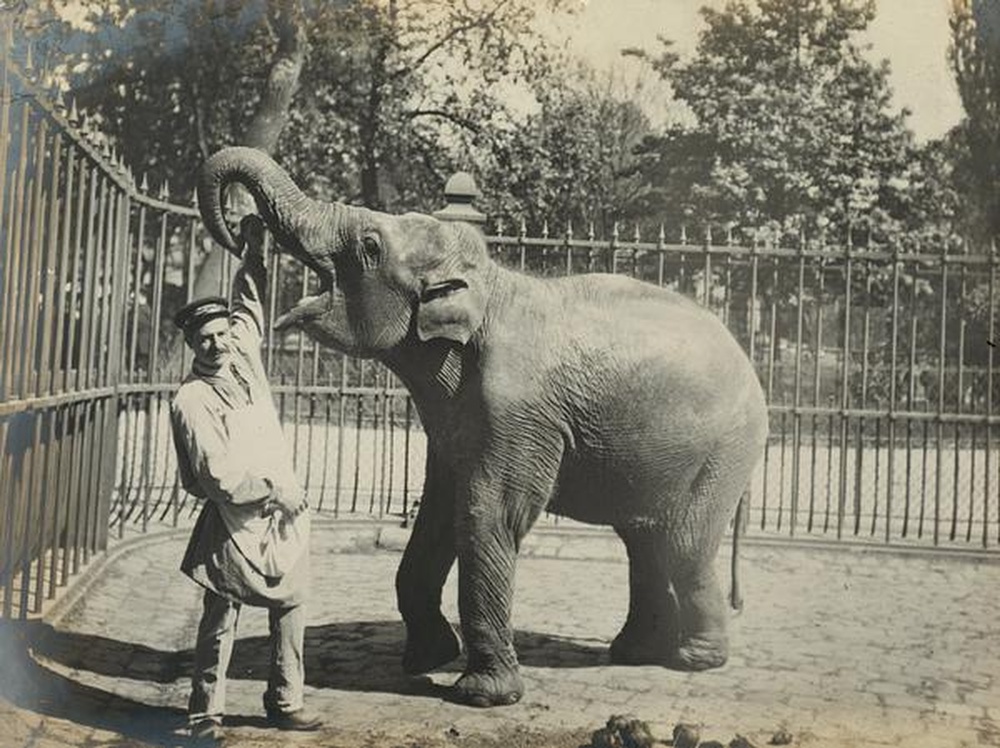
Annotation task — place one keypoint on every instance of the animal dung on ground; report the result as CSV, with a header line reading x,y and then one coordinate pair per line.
x,y
623,731
781,737
686,736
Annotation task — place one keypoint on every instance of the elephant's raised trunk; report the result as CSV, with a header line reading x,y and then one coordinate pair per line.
x,y
302,226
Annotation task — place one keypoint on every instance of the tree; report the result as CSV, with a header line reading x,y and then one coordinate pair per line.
x,y
408,90
379,96
975,58
793,129
150,75
572,162
170,82
372,101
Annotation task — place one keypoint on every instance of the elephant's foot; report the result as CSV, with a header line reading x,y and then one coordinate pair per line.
x,y
633,648
701,653
497,688
429,645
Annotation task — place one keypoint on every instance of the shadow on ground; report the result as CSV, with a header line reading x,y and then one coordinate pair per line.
x,y
355,656
28,685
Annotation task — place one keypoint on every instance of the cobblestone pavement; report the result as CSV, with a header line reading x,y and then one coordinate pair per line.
x,y
838,647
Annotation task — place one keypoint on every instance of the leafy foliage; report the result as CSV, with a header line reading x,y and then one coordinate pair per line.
x,y
572,164
975,58
168,81
794,130
390,97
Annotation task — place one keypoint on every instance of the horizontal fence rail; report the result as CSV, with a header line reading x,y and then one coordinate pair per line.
x,y
878,366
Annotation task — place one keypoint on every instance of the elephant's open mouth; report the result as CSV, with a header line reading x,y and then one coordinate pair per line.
x,y
307,308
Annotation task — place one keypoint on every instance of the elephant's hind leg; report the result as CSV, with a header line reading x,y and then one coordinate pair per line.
x,y
650,633
703,642
696,528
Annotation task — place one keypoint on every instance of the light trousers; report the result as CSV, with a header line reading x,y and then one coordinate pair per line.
x,y
214,649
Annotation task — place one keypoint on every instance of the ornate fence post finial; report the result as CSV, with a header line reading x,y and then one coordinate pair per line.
x,y
459,193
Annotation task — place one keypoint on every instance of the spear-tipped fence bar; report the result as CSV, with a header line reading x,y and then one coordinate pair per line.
x,y
879,366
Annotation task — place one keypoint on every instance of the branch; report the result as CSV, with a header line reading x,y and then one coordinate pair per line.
x,y
451,117
456,31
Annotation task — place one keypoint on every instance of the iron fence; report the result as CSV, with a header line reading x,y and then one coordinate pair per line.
x,y
878,365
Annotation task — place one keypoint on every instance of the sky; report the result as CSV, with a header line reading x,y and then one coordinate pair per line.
x,y
912,34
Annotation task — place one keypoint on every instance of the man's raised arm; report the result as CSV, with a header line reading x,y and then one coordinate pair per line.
x,y
250,284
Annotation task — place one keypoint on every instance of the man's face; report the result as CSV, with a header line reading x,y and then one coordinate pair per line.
x,y
210,342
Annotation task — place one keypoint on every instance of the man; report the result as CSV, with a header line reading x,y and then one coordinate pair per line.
x,y
250,543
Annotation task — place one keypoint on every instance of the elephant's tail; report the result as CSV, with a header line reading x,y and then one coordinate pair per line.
x,y
735,593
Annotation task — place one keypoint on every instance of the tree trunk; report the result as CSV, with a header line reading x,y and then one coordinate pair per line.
x,y
268,121
263,131
371,193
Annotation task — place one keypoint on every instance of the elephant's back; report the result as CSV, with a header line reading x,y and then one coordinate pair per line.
x,y
617,306
655,334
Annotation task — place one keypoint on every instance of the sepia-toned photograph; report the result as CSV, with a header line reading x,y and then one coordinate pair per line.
x,y
500,373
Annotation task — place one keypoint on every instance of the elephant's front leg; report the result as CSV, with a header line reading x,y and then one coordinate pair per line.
x,y
430,553
491,523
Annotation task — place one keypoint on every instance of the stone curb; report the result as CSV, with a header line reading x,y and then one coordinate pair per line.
x,y
592,544
602,544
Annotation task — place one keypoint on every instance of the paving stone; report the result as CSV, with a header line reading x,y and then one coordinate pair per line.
x,y
838,646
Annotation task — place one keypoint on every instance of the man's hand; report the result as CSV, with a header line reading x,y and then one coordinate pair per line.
x,y
251,240
278,501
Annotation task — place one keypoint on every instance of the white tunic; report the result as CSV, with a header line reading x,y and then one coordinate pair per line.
x,y
230,446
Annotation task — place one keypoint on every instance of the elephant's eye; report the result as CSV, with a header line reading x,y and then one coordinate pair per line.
x,y
371,252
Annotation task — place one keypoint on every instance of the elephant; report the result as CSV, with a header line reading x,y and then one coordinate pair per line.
x,y
597,397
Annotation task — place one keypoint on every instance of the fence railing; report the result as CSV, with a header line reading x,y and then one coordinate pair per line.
x,y
878,366
82,260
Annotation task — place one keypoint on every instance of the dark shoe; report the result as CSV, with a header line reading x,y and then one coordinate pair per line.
x,y
206,730
299,720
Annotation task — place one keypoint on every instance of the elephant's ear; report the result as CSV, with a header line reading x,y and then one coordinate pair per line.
x,y
449,308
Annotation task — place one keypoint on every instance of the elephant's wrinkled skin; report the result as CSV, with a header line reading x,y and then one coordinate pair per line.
x,y
598,397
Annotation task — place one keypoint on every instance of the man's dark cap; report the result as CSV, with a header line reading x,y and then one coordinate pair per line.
x,y
200,311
